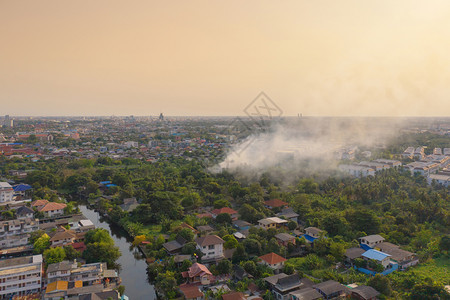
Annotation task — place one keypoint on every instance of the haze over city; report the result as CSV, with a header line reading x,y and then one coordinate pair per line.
x,y
318,58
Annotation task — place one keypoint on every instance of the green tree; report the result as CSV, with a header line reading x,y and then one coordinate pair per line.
x,y
41,244
224,267
71,253
224,218
381,283
230,242
54,255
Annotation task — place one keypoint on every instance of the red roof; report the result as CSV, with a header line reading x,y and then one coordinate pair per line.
x,y
275,203
224,210
79,246
272,258
41,202
233,296
197,270
52,206
205,215
191,292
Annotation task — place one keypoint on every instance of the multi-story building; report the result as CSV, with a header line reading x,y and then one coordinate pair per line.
x,y
211,246
69,271
15,233
20,276
6,193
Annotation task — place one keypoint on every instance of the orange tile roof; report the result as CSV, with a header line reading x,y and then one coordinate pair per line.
x,y
275,203
57,286
41,202
224,210
52,206
272,258
233,296
191,292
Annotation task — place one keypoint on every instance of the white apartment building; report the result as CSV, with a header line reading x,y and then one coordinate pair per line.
x,y
6,193
20,276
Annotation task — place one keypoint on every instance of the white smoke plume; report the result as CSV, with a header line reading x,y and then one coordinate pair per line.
x,y
296,147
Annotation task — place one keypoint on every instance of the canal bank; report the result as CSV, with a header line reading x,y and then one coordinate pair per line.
x,y
133,266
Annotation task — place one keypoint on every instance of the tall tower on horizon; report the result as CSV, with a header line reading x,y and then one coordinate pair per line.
x,y
161,117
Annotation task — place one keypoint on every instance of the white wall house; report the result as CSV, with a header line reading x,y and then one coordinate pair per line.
x,y
211,246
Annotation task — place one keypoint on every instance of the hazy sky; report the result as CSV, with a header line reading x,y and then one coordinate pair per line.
x,y
142,57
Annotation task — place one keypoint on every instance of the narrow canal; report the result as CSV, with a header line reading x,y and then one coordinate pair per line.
x,y
133,267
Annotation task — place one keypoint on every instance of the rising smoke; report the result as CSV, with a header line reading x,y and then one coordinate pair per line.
x,y
296,147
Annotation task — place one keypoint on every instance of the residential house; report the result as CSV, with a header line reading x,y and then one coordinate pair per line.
x,y
64,237
175,246
20,276
311,234
198,273
282,286
364,292
273,222
381,257
273,261
331,289
37,204
284,239
307,293
275,203
205,229
241,225
225,210
52,209
234,296
403,258
370,241
357,170
24,212
353,253
211,246
288,214
191,292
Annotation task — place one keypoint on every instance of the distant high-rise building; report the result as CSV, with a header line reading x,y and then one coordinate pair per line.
x,y
8,122
161,117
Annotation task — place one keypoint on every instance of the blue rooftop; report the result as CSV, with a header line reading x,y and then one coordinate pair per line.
x,y
375,254
21,187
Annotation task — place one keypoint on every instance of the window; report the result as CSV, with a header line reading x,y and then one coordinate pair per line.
x,y
210,247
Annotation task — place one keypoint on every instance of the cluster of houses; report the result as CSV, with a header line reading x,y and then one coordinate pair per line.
x,y
433,167
22,273
198,279
157,139
369,168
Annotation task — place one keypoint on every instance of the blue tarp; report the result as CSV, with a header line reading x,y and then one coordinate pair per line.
x,y
365,247
105,182
111,185
21,187
308,238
